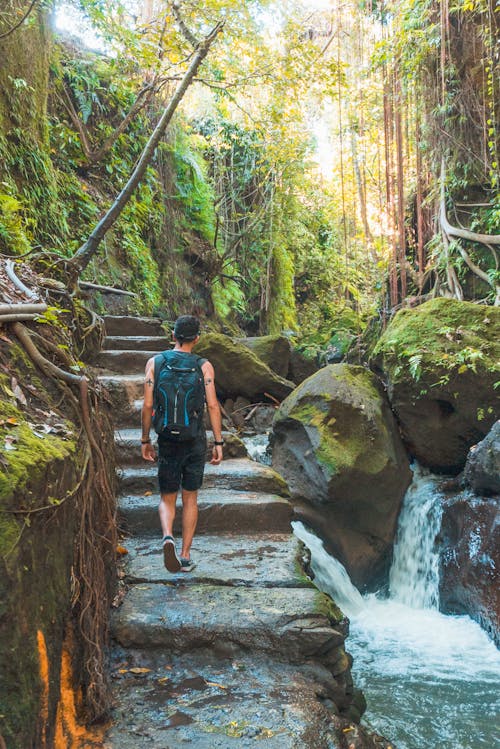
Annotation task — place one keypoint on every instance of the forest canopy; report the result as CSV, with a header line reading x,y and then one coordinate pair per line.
x,y
329,162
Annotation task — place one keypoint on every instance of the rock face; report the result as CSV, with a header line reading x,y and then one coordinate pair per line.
x,y
482,470
440,362
301,367
470,560
336,442
239,371
274,350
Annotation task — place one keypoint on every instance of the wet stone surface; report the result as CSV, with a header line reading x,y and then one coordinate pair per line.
x,y
206,701
223,511
244,651
239,474
271,560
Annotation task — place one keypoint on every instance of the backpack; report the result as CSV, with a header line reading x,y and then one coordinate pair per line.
x,y
178,396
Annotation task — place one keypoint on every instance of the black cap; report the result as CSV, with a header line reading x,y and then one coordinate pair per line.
x,y
186,328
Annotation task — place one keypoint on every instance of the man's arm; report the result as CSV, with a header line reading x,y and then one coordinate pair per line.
x,y
147,449
213,411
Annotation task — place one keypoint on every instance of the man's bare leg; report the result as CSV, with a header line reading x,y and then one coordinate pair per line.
x,y
166,511
189,520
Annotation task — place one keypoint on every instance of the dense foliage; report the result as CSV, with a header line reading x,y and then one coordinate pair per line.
x,y
300,186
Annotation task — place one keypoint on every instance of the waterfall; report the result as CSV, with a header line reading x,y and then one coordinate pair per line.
x,y
329,574
414,575
429,679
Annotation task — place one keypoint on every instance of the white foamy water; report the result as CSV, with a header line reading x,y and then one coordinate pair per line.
x,y
430,680
257,446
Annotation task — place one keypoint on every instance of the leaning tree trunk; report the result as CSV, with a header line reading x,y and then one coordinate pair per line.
x,y
85,253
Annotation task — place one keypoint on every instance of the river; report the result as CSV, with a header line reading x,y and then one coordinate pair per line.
x,y
431,680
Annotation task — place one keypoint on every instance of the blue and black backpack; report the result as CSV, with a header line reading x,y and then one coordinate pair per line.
x,y
178,396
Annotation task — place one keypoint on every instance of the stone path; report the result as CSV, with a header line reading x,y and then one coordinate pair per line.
x,y
242,652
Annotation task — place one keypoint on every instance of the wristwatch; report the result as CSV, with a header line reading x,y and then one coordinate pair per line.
x,y
216,442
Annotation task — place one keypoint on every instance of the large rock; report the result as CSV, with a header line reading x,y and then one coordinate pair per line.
x,y
470,561
336,442
238,371
482,470
273,350
301,367
440,362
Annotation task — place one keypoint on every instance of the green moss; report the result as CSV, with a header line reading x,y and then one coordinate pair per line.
x,y
443,334
9,532
31,452
282,312
346,395
325,605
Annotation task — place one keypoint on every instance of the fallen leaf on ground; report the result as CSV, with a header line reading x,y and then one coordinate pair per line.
x,y
139,670
121,550
214,684
147,494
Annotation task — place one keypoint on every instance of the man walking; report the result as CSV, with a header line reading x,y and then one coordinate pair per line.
x,y
177,383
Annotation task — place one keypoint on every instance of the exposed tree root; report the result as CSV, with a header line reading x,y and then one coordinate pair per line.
x,y
96,541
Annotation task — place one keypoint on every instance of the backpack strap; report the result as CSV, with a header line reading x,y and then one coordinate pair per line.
x,y
160,360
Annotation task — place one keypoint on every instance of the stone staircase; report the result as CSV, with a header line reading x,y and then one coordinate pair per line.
x,y
244,650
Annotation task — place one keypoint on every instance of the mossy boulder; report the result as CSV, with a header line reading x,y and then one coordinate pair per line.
x,y
238,371
441,362
301,366
336,443
273,350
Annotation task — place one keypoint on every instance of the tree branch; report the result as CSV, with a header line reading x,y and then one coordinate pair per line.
x,y
143,98
186,33
19,23
84,254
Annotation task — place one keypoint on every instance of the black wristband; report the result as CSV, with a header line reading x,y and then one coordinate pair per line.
x,y
218,443
145,442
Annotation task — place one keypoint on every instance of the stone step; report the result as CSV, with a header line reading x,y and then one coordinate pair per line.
x,y
117,325
124,362
206,701
266,560
218,512
137,343
123,388
240,474
128,448
296,623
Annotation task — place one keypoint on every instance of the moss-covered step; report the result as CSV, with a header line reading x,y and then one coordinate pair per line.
x,y
128,446
205,700
117,325
240,474
337,444
137,343
298,623
219,512
441,363
263,560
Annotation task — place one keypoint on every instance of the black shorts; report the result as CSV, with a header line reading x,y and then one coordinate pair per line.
x,y
181,464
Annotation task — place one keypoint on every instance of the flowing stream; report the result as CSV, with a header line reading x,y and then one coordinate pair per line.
x,y
431,681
